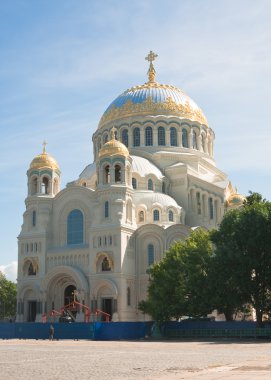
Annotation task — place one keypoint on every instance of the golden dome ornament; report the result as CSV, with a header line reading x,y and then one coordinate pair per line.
x,y
113,147
44,160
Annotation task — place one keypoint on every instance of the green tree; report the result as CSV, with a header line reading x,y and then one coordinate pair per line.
x,y
7,298
243,251
178,283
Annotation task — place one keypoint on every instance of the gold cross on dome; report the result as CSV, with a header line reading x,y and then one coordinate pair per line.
x,y
151,72
151,56
44,146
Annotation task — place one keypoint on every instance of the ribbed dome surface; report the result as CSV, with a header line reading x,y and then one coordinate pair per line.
x,y
144,167
44,160
150,199
153,98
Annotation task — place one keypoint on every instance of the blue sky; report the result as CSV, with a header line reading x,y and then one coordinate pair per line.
x,y
62,62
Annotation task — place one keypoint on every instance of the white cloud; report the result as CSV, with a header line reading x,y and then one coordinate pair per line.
x,y
10,270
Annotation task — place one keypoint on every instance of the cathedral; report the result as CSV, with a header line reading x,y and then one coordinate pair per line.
x,y
153,180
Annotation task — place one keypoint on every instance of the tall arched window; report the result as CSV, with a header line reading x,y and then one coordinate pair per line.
x,y
194,140
150,184
45,185
161,136
105,138
75,227
185,138
148,136
117,174
150,254
128,296
173,136
164,188
134,183
107,174
136,137
124,137
106,209
34,185
170,216
156,215
198,200
34,218
211,208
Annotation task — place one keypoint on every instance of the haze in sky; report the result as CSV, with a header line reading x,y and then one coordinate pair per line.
x,y
63,62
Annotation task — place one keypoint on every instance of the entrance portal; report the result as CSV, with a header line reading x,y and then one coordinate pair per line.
x,y
107,306
70,308
69,294
32,311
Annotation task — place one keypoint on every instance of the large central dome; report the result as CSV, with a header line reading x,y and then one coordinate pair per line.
x,y
153,98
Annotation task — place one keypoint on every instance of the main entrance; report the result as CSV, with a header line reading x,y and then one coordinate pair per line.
x,y
32,311
69,295
107,306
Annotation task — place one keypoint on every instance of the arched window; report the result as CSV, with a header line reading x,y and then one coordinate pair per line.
x,y
156,215
105,138
128,296
107,174
45,185
34,218
34,186
194,140
75,227
148,136
173,136
211,208
161,136
106,209
150,254
164,188
134,183
185,138
150,184
117,174
124,137
198,200
105,265
136,137
141,216
170,216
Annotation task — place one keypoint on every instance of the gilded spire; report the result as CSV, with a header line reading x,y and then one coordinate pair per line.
x,y
44,146
113,133
151,72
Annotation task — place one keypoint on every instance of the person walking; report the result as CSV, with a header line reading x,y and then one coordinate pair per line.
x,y
51,332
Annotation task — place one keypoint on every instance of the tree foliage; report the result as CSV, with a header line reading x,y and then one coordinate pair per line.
x,y
243,257
7,298
225,269
178,283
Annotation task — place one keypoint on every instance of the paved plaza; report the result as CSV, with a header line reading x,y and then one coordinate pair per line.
x,y
140,360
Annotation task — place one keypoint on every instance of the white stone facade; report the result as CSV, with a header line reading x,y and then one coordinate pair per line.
x,y
144,191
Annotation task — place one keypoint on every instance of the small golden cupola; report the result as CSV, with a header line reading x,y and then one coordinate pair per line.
x,y
43,175
114,164
44,160
113,147
234,199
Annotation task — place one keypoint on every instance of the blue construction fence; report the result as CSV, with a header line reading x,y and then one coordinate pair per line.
x,y
88,331
215,329
136,330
